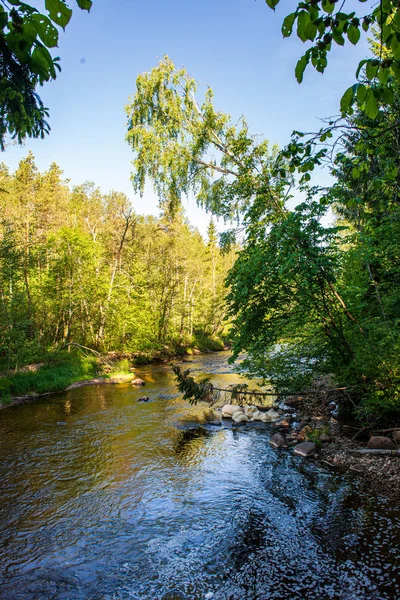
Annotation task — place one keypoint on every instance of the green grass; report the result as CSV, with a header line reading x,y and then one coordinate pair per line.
x,y
57,374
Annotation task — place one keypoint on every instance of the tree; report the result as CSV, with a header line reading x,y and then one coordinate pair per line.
x,y
26,35
324,23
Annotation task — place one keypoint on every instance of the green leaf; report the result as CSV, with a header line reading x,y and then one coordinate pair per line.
x,y
45,30
347,100
287,26
355,173
59,12
361,93
371,105
85,4
300,67
310,31
272,3
338,38
360,66
328,6
387,95
353,34
41,62
371,70
302,21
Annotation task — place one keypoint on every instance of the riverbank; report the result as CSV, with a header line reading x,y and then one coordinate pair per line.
x,y
64,371
371,455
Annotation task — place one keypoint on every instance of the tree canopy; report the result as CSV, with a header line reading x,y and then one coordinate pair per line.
x,y
26,39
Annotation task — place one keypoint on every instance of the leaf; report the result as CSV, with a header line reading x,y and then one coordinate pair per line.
x,y
387,95
328,6
85,4
346,100
45,30
361,93
59,12
272,3
287,25
310,31
41,63
371,70
300,67
353,34
371,105
338,38
302,21
360,66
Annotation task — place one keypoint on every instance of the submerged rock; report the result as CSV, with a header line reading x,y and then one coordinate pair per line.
x,y
305,449
138,381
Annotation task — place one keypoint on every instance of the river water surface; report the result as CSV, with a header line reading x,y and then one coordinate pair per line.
x,y
106,498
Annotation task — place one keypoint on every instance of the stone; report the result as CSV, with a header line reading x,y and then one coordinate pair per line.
x,y
251,412
240,417
324,437
305,449
229,409
277,441
144,399
284,422
332,406
303,433
380,442
396,436
138,381
272,414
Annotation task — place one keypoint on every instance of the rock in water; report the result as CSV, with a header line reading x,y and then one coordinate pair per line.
x,y
239,417
229,409
380,442
277,441
143,399
305,449
138,381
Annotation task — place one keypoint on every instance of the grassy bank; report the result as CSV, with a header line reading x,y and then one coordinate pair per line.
x,y
56,373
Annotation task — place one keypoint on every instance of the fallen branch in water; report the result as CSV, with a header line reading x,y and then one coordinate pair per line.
x,y
205,391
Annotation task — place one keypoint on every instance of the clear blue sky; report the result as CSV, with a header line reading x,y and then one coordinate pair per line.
x,y
235,46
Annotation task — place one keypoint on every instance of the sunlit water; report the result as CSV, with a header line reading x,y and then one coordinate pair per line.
x,y
103,497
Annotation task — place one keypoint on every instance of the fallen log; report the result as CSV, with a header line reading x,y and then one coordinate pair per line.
x,y
374,452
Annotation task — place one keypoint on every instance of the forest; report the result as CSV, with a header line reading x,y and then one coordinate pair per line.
x,y
311,285
79,266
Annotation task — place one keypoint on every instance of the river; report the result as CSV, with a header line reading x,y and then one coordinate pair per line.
x,y
107,498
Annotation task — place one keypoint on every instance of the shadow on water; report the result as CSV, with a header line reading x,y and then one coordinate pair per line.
x,y
106,498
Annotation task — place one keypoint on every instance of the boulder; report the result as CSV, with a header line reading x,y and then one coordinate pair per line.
x,y
380,442
396,436
229,409
305,449
284,422
277,441
138,381
239,417
324,438
251,411
272,414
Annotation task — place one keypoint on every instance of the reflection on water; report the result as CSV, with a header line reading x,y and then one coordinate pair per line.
x,y
103,497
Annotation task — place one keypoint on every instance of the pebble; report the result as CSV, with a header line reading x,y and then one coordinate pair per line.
x,y
209,595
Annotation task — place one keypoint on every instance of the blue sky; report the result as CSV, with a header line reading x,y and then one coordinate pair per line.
x,y
235,46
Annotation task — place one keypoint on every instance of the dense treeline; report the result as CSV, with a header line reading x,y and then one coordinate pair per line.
x,y
306,299
80,266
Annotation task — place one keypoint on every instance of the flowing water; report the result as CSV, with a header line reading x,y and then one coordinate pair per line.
x,y
103,497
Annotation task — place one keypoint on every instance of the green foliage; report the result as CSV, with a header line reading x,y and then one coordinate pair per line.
x,y
303,298
79,266
26,35
191,390
323,24
58,373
